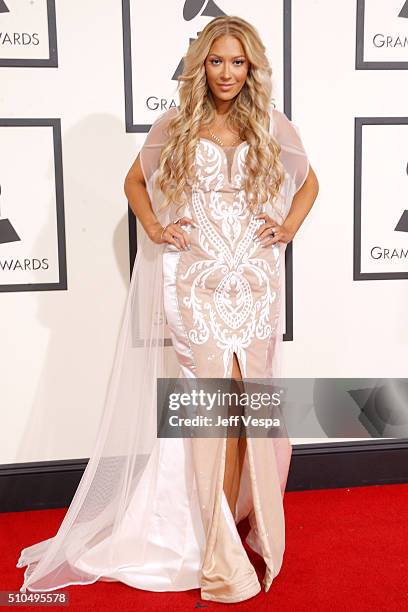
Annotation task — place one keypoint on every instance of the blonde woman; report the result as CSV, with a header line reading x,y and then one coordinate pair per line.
x,y
220,187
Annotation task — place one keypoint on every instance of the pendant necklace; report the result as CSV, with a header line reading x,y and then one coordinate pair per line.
x,y
220,142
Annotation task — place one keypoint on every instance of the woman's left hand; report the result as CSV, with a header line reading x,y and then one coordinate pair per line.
x,y
271,232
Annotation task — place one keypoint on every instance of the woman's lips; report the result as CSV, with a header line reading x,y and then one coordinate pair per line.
x,y
225,87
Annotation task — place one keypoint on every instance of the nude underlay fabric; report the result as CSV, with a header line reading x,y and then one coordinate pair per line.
x,y
229,152
222,297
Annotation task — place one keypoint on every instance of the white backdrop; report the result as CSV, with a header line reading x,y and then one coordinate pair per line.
x,y
57,344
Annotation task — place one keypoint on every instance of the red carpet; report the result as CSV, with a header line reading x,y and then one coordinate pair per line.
x,y
346,549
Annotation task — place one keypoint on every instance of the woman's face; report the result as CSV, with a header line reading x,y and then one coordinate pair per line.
x,y
226,68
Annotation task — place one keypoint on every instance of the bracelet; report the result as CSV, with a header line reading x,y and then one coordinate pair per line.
x,y
162,232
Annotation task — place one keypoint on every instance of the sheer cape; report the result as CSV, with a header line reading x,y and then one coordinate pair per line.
x,y
119,483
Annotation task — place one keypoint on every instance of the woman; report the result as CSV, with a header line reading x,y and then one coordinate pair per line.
x,y
221,185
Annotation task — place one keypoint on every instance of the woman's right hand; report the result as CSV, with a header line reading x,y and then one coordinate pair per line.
x,y
173,234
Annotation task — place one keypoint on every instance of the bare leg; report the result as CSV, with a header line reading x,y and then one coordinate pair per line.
x,y
227,574
235,454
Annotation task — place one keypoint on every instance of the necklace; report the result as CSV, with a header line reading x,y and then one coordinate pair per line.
x,y
217,139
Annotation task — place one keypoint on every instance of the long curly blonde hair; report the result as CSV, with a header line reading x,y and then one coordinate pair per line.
x,y
249,115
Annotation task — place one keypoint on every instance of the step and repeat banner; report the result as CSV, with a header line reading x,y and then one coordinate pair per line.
x,y
80,85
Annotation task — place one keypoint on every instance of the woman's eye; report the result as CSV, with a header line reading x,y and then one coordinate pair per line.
x,y
237,62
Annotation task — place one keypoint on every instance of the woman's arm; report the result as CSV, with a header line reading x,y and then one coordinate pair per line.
x,y
295,162
302,202
139,202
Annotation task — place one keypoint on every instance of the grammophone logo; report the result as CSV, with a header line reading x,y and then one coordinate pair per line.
x,y
32,221
380,216
158,34
28,34
192,9
151,33
382,35
404,11
402,225
7,230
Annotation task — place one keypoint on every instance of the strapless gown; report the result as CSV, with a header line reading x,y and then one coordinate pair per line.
x,y
222,297
159,520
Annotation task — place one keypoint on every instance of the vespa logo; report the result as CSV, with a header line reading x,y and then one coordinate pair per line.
x,y
191,9
404,11
3,7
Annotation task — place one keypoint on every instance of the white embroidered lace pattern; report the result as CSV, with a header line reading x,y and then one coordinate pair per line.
x,y
232,252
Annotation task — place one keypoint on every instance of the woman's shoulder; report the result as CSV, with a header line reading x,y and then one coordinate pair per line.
x,y
278,118
157,134
274,112
282,128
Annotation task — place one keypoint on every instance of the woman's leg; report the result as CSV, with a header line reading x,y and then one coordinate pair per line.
x,y
227,574
236,446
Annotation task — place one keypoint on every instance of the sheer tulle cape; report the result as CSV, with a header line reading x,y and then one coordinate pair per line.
x,y
124,463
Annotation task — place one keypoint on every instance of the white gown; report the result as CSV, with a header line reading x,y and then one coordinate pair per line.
x,y
152,512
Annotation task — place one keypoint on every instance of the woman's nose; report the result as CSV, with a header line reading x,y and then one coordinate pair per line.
x,y
226,71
